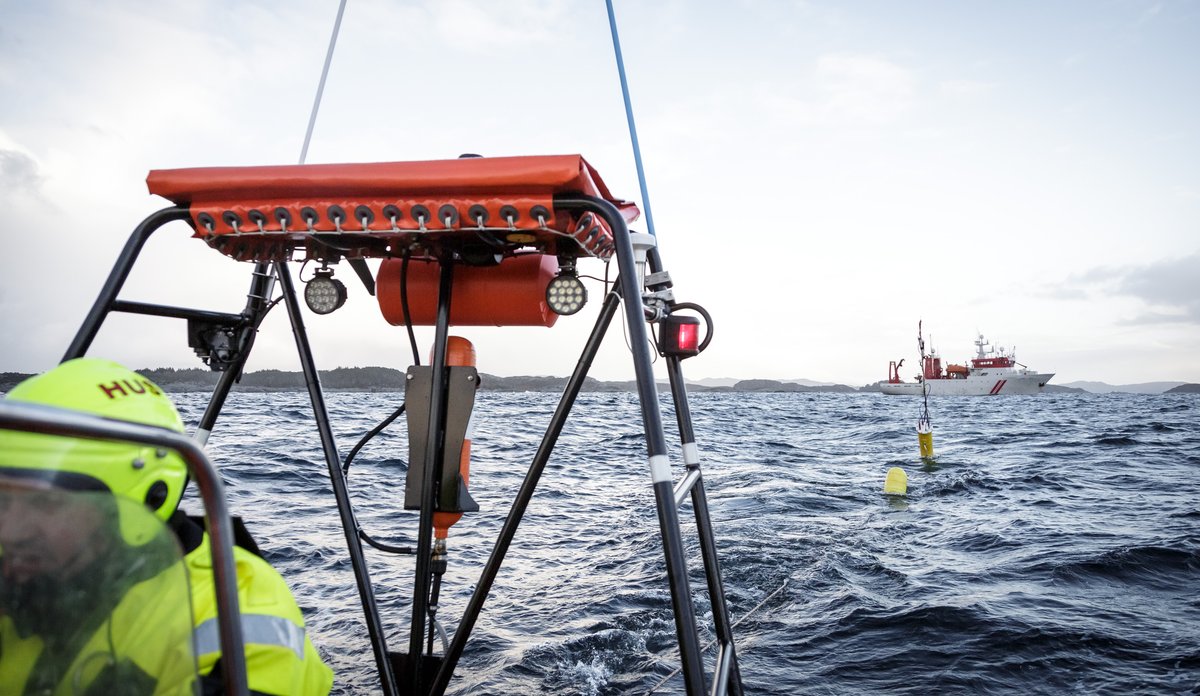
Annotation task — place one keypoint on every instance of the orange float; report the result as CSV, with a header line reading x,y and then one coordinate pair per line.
x,y
459,353
511,293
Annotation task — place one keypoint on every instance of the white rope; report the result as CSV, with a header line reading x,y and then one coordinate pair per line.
x,y
735,624
312,119
804,578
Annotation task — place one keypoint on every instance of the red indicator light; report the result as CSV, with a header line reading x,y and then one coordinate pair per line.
x,y
688,337
679,336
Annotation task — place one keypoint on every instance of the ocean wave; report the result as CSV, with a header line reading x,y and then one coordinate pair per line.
x,y
1150,566
1050,547
1119,440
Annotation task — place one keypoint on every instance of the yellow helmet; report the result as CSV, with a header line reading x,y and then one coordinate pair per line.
x,y
144,474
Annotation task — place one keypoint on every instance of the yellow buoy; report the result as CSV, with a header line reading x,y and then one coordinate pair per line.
x,y
896,482
925,439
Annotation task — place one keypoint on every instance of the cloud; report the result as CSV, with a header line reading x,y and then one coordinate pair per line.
x,y
1155,318
1171,283
480,27
1169,288
1186,193
864,88
966,88
840,89
1149,15
18,171
1062,292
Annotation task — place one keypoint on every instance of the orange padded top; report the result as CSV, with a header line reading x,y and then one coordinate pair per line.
x,y
378,209
466,177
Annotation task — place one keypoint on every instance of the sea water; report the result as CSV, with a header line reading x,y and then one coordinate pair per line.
x,y
1052,546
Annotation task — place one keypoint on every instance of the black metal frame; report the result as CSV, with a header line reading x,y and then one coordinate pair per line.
x,y
415,678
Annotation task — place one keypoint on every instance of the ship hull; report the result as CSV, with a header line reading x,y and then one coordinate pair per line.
x,y
993,383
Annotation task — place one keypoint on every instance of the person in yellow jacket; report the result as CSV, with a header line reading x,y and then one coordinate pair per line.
x,y
76,547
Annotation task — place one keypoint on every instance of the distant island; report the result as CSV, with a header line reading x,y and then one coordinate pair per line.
x,y
391,379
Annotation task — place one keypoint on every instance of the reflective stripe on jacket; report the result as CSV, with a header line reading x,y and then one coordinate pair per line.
x,y
280,658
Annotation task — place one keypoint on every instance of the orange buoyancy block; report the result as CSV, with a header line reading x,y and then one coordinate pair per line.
x,y
511,293
459,353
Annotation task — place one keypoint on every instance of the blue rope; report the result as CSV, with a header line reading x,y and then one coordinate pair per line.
x,y
637,150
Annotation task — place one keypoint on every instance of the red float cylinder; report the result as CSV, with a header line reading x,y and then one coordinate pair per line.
x,y
511,293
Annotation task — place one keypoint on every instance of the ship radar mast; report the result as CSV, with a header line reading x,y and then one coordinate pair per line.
x,y
980,344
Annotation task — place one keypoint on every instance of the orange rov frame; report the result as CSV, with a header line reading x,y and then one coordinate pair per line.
x,y
471,241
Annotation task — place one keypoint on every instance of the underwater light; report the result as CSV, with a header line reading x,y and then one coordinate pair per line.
x,y
324,293
566,294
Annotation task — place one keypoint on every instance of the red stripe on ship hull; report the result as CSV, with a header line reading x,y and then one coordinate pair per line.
x,y
999,385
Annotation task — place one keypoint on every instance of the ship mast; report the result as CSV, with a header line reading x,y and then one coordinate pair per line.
x,y
979,345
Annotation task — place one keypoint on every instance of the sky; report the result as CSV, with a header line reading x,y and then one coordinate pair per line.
x,y
823,175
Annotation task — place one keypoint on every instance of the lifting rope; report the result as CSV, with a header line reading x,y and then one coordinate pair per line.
x,y
637,150
924,426
312,119
713,642
374,626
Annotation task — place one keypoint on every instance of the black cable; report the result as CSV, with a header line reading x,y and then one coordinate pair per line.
x,y
412,338
366,438
387,548
318,238
433,607
490,239
924,419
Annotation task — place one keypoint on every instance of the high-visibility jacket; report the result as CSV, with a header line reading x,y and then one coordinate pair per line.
x,y
151,644
280,658
142,646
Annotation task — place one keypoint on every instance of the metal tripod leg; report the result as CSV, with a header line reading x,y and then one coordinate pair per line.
x,y
488,575
726,674
656,446
337,479
726,677
433,455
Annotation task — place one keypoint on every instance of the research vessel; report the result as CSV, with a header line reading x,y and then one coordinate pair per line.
x,y
992,372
